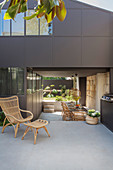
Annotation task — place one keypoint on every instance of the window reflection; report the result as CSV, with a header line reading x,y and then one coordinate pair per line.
x,y
32,26
17,81
45,28
4,25
18,25
34,82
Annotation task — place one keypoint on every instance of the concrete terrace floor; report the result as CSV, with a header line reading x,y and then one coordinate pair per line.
x,y
56,116
72,146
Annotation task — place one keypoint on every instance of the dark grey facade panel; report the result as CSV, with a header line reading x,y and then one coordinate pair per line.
x,y
96,52
95,23
71,26
12,51
111,80
86,6
67,51
38,51
72,4
111,24
82,40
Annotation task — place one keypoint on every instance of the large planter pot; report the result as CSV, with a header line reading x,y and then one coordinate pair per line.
x,y
91,120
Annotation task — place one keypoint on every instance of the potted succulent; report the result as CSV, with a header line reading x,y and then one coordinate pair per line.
x,y
92,117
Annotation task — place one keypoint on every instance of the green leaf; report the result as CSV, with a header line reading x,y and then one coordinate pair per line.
x,y
38,14
41,11
36,8
24,7
49,17
6,16
46,5
61,11
15,7
12,11
30,17
53,3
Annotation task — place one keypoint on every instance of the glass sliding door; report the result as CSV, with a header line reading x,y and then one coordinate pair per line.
x,y
11,81
5,81
17,81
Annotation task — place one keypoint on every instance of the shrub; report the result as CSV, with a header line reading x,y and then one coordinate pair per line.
x,y
50,95
69,97
52,85
67,92
59,98
54,91
47,88
63,90
2,117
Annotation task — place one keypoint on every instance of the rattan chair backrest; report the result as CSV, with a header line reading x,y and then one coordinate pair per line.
x,y
65,107
10,106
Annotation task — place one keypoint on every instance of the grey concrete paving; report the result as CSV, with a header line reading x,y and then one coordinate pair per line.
x,y
56,116
72,146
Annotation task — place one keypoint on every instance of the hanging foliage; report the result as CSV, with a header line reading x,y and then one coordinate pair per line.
x,y
47,8
2,4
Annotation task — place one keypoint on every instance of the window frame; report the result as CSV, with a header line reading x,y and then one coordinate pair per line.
x,y
50,35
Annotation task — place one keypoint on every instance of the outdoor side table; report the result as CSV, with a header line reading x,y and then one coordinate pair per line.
x,y
37,124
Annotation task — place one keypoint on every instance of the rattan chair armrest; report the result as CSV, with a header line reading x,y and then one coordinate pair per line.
x,y
26,111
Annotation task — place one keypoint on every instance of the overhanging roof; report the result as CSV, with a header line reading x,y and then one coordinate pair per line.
x,y
103,4
68,72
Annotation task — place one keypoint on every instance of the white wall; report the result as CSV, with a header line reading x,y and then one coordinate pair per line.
x,y
102,87
97,86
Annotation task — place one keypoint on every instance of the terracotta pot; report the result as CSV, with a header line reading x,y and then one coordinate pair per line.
x,y
91,120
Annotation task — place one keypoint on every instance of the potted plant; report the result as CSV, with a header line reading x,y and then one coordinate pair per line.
x,y
92,117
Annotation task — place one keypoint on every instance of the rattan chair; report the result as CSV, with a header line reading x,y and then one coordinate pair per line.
x,y
10,107
66,114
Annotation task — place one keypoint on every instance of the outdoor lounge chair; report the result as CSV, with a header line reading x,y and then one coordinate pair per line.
x,y
10,107
66,114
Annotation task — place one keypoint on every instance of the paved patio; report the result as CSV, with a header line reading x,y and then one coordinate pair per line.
x,y
56,116
72,146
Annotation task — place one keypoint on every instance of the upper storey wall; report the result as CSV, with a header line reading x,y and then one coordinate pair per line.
x,y
86,30
84,39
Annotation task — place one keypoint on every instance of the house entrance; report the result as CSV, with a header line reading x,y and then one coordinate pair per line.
x,y
51,90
